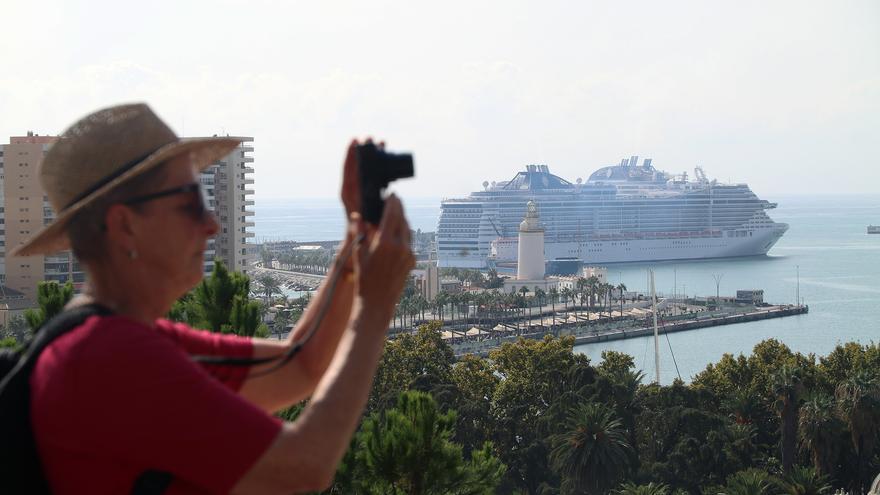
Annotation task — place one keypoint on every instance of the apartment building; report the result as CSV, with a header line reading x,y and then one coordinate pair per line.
x,y
24,209
229,186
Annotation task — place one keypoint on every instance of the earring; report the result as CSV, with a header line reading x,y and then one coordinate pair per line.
x,y
132,254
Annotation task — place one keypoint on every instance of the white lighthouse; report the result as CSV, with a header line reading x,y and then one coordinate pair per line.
x,y
530,258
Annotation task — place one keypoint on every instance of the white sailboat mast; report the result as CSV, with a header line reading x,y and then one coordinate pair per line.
x,y
656,335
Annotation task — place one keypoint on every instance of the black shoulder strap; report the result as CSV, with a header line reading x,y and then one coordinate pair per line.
x,y
20,467
57,326
152,483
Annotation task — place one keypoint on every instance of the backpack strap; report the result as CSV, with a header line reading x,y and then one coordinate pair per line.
x,y
20,467
152,483
57,326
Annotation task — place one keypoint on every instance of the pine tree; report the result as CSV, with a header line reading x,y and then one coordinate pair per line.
x,y
213,298
51,297
244,318
408,449
220,303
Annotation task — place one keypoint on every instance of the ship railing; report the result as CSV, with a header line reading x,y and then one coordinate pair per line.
x,y
628,236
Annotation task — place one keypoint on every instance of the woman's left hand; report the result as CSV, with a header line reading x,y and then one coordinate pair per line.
x,y
351,188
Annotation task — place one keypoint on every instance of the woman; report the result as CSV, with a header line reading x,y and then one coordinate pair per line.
x,y
119,395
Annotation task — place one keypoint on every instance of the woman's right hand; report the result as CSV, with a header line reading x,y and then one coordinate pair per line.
x,y
384,260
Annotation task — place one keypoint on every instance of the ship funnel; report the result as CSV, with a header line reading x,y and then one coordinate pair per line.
x,y
647,162
633,161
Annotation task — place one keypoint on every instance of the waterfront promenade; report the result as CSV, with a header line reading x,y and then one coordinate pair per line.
x,y
602,329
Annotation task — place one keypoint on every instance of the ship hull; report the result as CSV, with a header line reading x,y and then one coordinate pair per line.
x,y
724,245
645,250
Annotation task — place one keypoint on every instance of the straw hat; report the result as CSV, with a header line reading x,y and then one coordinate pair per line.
x,y
102,151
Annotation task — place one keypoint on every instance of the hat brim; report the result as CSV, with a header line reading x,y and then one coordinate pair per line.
x,y
53,237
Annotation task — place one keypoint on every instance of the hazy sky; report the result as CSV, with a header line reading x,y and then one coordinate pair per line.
x,y
783,95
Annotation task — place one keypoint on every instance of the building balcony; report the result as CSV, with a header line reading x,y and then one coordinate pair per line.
x,y
248,213
250,234
248,159
248,170
249,181
248,191
249,224
249,202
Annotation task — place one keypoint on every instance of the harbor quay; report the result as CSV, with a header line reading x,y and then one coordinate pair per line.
x,y
589,327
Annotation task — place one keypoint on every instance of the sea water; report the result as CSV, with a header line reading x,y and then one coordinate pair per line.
x,y
826,256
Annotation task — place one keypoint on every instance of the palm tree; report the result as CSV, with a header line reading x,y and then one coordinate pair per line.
x,y
622,288
858,402
541,296
564,294
742,444
606,292
593,287
592,453
743,405
748,482
805,481
426,306
464,299
481,299
787,389
818,429
403,308
456,304
582,289
496,300
630,488
440,300
520,302
398,312
269,286
524,293
417,308
554,295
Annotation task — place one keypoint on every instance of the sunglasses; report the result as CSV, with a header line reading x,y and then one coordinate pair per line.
x,y
198,211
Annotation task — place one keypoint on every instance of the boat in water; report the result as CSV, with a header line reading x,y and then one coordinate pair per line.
x,y
627,212
874,229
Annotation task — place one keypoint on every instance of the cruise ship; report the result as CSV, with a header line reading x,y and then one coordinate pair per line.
x,y
628,212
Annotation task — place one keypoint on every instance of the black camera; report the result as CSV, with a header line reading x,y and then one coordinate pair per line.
x,y
377,169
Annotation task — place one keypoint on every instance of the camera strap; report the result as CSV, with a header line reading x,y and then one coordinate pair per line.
x,y
281,359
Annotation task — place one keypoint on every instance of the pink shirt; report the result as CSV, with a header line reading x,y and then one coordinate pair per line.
x,y
114,398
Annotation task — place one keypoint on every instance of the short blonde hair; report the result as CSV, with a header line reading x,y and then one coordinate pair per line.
x,y
86,229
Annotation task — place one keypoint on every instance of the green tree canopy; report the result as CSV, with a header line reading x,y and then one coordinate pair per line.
x,y
51,298
409,450
592,454
220,303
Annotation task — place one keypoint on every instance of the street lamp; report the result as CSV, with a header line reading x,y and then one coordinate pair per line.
x,y
717,278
